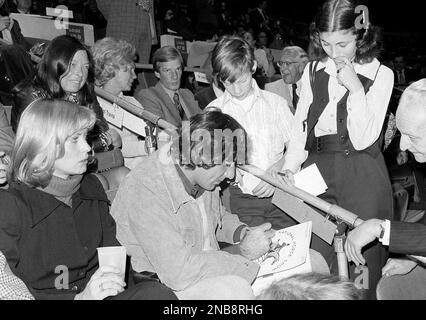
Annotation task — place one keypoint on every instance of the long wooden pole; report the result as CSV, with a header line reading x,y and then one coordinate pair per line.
x,y
134,109
351,219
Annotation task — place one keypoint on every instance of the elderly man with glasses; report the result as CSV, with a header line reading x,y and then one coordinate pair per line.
x,y
292,63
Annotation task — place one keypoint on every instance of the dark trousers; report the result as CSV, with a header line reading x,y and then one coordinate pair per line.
x,y
254,211
146,290
358,183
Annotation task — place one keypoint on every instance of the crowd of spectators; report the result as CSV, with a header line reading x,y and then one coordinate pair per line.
x,y
208,20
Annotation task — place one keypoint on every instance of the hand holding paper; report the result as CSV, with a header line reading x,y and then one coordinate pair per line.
x,y
310,180
288,255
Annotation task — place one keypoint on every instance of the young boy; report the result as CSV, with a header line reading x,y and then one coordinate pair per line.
x,y
267,119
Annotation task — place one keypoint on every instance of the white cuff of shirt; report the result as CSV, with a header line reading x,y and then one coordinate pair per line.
x,y
386,225
354,99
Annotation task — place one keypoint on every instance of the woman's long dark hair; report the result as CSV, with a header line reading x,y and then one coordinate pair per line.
x,y
339,15
55,64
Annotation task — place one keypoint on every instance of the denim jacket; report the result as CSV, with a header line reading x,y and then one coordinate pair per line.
x,y
161,226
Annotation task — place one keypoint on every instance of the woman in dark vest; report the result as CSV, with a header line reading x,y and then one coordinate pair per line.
x,y
339,119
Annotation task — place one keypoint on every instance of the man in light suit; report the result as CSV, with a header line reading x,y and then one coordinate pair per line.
x,y
402,237
166,99
292,63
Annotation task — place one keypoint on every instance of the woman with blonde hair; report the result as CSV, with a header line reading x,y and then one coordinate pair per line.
x,y
54,217
115,73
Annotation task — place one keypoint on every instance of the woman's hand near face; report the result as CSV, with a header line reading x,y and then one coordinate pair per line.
x,y
105,282
346,75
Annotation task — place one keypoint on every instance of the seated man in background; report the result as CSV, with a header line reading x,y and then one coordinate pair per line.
x,y
292,63
166,99
403,74
10,32
170,217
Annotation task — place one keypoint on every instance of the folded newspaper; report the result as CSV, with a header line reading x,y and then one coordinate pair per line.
x,y
289,255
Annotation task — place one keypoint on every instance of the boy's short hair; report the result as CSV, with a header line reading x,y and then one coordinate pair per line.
x,y
210,138
232,56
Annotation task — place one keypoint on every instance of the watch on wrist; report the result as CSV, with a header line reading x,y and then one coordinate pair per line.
x,y
382,230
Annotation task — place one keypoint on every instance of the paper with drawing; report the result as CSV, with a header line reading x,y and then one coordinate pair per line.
x,y
289,254
289,249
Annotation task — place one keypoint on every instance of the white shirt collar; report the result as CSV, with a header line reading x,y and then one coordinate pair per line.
x,y
368,70
169,92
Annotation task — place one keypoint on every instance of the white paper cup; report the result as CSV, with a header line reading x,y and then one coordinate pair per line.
x,y
113,257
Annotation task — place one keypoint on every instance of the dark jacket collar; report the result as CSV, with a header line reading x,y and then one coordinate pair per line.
x,y
42,204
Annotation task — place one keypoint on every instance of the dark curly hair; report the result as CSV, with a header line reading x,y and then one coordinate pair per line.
x,y
215,138
338,15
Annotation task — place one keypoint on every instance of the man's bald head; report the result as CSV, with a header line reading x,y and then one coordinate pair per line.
x,y
411,119
292,63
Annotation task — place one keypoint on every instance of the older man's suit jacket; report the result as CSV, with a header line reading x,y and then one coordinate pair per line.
x,y
280,88
157,101
408,238
128,21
